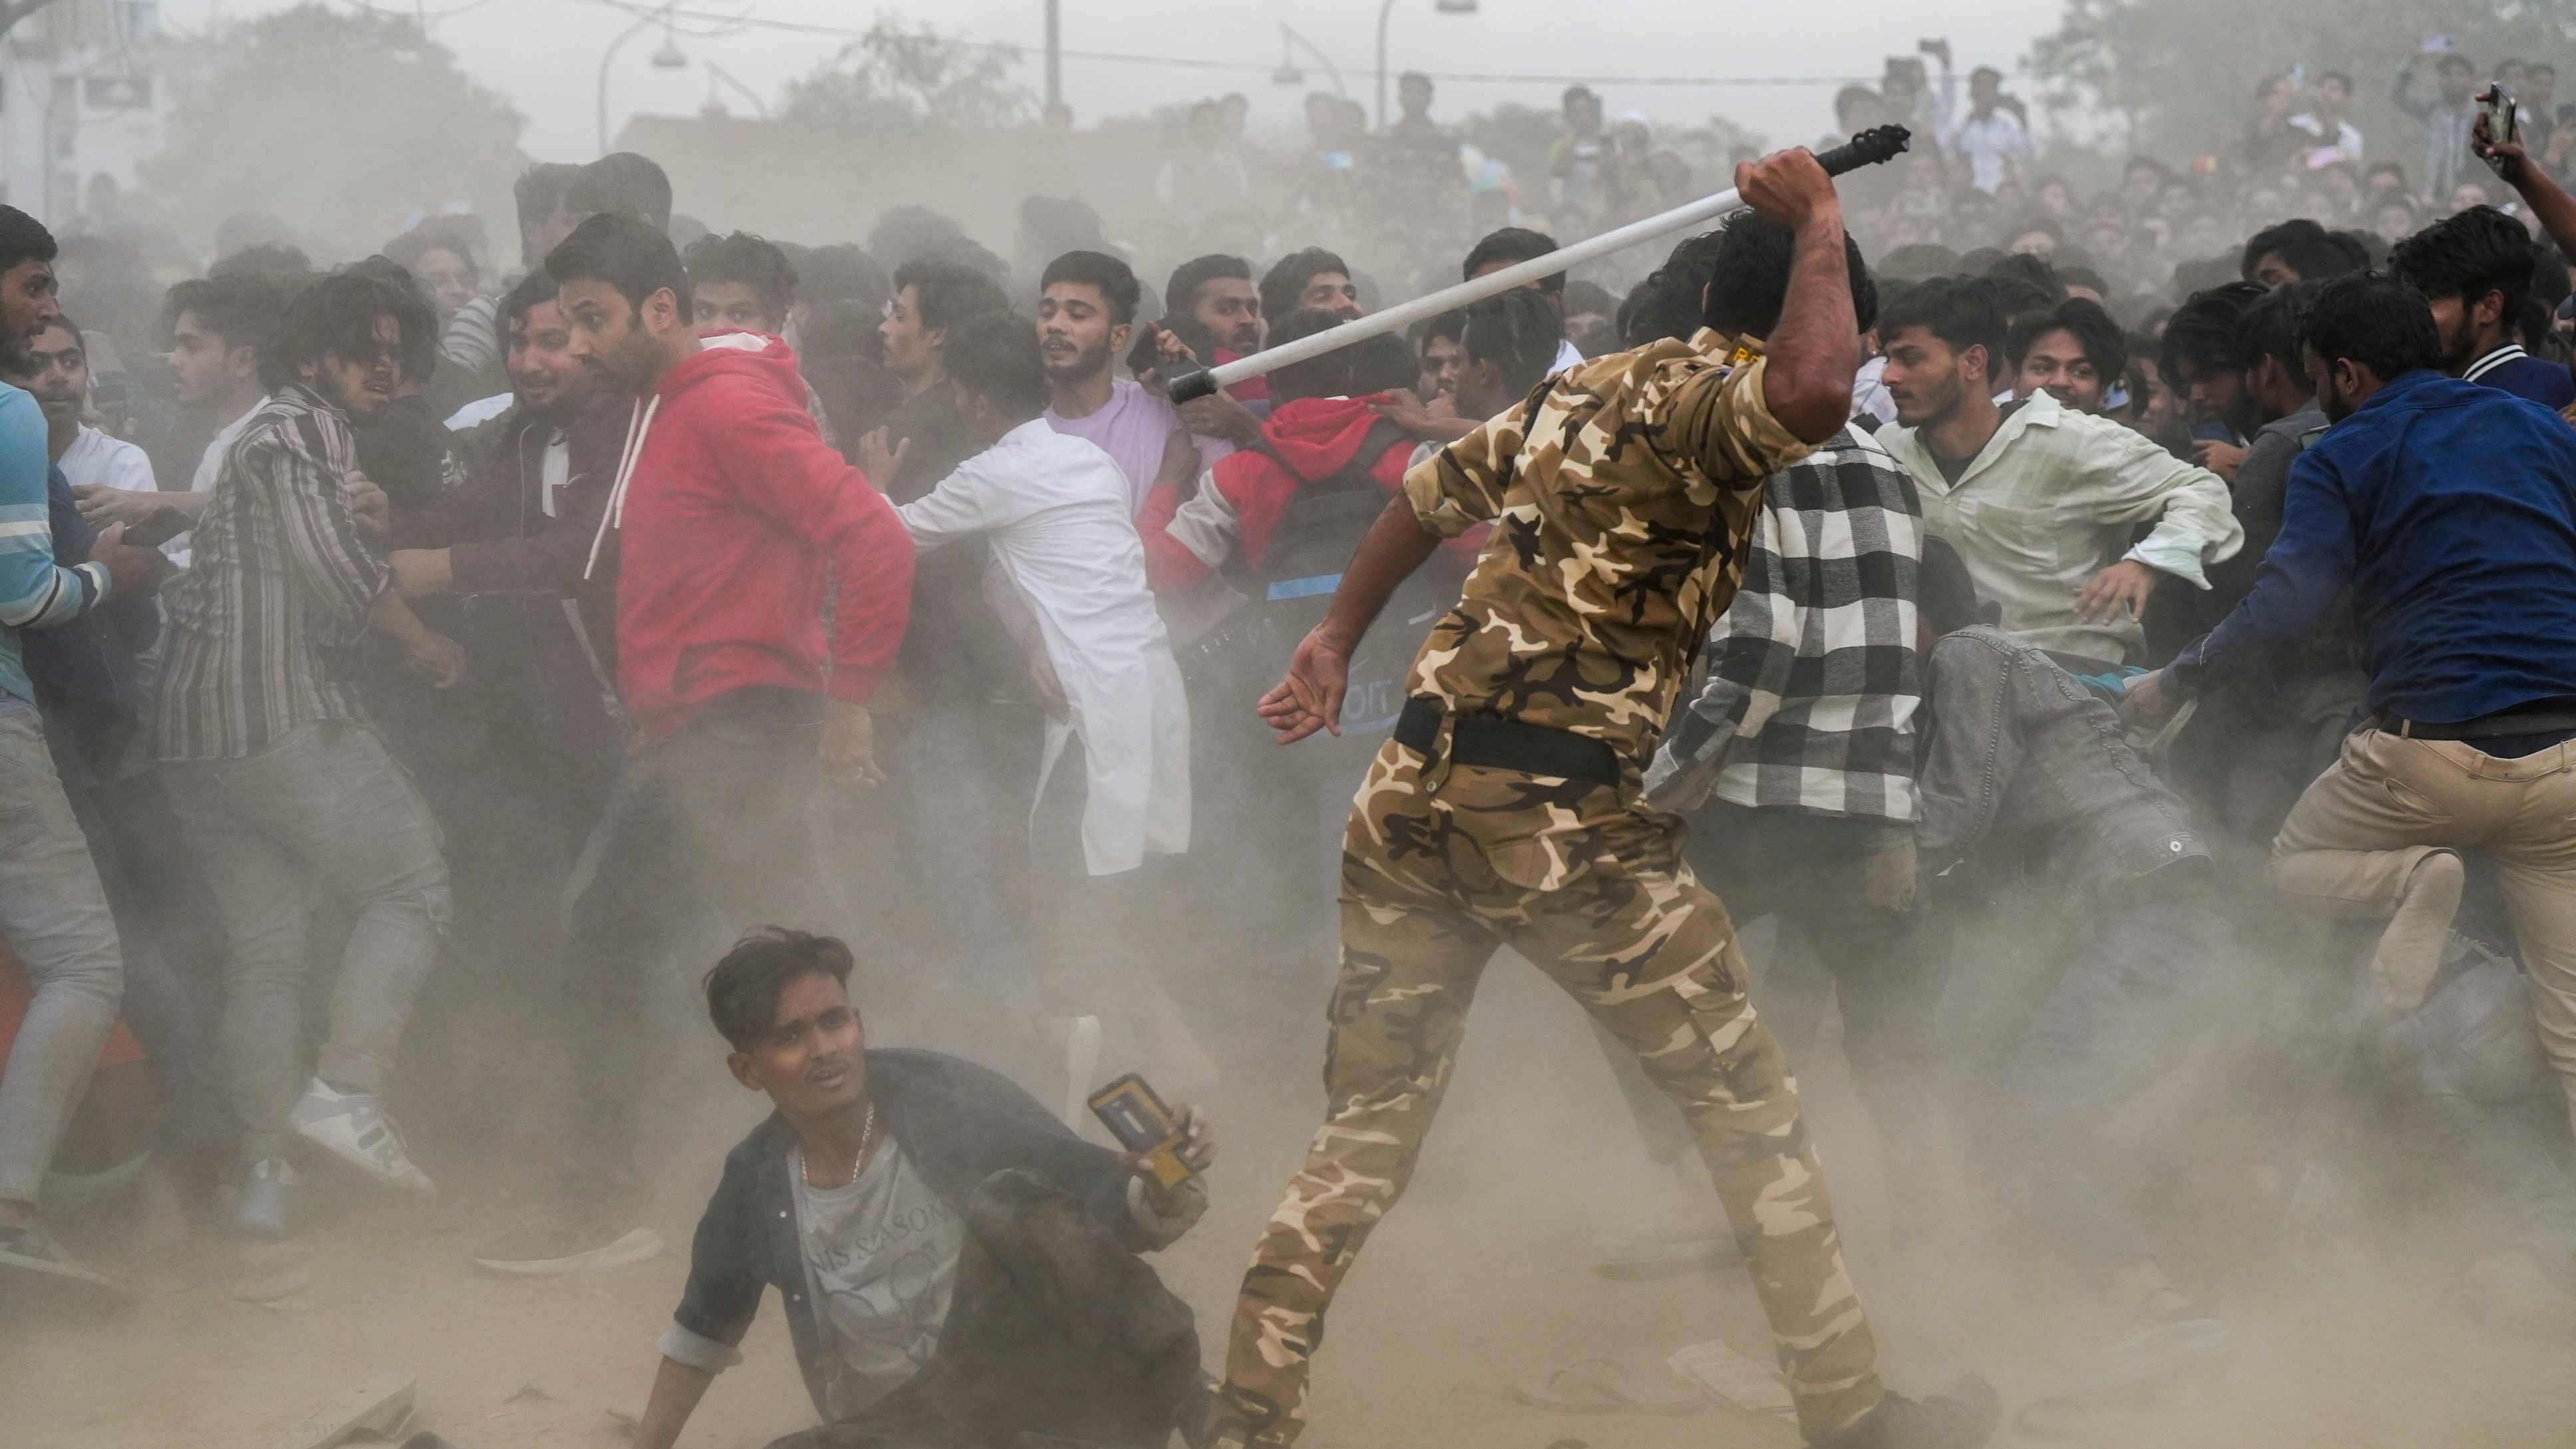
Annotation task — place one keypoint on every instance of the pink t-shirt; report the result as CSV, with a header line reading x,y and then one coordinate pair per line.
x,y
1132,428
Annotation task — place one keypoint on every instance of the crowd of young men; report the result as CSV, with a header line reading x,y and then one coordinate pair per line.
x,y
559,631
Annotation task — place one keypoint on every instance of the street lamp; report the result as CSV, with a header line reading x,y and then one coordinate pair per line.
x,y
1289,74
1445,7
669,57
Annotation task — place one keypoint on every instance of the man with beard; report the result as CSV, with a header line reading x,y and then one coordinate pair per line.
x,y
2448,509
53,911
761,592
537,481
280,779
2476,270
1086,311
2039,499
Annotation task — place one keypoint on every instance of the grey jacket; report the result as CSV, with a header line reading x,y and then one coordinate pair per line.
x,y
2027,767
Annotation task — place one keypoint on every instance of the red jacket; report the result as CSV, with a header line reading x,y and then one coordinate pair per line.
x,y
1316,436
732,518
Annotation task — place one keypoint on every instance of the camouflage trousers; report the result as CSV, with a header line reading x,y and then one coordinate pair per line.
x,y
1443,865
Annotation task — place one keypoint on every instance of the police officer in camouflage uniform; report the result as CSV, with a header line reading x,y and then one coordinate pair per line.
x,y
1508,810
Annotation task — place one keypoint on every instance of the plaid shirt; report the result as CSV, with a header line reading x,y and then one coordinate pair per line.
x,y
263,626
1813,684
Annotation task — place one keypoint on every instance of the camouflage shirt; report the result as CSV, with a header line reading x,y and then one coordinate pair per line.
x,y
1622,495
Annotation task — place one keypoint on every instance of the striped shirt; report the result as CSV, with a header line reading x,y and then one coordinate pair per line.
x,y
1813,683
263,628
35,592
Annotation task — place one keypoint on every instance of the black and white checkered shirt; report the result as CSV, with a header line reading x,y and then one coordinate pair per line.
x,y
1813,683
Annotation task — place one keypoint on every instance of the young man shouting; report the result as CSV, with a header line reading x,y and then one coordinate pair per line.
x,y
881,1199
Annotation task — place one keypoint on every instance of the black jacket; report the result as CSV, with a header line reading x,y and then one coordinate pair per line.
x,y
957,1123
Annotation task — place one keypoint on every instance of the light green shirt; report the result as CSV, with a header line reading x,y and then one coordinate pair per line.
x,y
2053,499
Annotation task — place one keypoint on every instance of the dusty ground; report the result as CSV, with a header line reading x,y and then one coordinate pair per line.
x,y
1479,1279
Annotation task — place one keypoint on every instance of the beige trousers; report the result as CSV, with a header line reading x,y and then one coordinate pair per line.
x,y
2363,828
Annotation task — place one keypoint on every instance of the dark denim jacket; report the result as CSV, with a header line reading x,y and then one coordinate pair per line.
x,y
957,1123
2027,760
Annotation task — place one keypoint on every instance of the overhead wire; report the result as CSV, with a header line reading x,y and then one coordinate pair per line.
x,y
845,32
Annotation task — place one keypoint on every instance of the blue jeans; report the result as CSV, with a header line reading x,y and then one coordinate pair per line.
x,y
55,916
322,812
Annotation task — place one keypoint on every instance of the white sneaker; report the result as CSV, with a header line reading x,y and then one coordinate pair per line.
x,y
353,1127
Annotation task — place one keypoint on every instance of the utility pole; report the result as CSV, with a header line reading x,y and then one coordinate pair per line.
x,y
1054,56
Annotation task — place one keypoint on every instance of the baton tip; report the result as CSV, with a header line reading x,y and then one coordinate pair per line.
x,y
1190,386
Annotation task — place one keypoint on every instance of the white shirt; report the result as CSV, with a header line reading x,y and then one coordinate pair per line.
x,y
96,457
2345,142
1567,355
210,465
1066,562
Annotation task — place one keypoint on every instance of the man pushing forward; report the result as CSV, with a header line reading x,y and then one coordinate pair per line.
x,y
1507,810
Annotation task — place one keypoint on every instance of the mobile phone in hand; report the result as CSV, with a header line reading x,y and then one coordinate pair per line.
x,y
1143,1125
2212,433
157,528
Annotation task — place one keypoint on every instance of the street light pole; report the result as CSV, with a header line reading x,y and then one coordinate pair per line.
x,y
605,60
1054,56
1383,11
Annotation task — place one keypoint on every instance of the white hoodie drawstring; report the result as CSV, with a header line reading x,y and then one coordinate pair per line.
x,y
638,423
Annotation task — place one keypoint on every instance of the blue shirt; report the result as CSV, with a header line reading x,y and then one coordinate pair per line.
x,y
2449,508
35,592
2547,383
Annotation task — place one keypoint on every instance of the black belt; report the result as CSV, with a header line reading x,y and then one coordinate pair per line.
x,y
1507,744
2547,719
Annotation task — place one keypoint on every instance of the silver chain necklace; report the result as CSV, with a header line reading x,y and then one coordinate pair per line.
x,y
867,1130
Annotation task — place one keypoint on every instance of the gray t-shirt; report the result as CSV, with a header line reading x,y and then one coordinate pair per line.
x,y
881,1261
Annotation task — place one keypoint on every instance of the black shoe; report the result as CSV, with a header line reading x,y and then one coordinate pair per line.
x,y
1963,1418
567,1245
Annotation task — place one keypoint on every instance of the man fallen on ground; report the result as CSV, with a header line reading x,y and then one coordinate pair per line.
x,y
933,1206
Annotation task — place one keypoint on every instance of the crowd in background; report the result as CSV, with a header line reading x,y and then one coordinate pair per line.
x,y
418,695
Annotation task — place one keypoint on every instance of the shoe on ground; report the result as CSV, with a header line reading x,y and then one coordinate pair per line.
x,y
353,1127
267,1197
2152,1350
29,1249
566,1246
1962,1418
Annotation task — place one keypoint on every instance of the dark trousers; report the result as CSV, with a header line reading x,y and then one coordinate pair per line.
x,y
708,834
1056,1335
2134,999
1844,886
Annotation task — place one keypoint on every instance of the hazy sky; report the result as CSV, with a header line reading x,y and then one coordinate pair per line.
x,y
544,55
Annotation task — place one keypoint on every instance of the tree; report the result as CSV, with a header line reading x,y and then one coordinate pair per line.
x,y
343,124
2180,75
899,80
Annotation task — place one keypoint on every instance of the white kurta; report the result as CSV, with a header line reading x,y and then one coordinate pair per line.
x,y
1066,558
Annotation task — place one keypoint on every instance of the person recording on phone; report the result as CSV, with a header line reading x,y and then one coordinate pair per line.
x,y
928,1207
2447,115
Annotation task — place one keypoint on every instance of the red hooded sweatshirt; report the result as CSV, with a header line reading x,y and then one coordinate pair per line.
x,y
1316,436
730,516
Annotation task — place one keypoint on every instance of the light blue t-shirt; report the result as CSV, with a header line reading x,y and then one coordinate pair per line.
x,y
35,593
